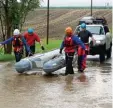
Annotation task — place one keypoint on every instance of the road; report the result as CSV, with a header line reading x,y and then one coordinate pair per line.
x,y
92,89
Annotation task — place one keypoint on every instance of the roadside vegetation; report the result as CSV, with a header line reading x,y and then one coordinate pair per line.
x,y
53,44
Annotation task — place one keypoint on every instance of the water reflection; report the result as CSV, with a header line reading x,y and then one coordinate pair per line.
x,y
82,78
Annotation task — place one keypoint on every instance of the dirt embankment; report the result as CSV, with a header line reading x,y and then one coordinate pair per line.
x,y
60,19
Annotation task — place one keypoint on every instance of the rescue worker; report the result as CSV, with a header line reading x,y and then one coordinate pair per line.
x,y
69,44
18,42
84,36
31,37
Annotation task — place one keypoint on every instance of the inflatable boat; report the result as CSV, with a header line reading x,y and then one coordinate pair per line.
x,y
54,64
57,63
35,61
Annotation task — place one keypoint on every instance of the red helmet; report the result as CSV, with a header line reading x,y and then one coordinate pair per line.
x,y
68,31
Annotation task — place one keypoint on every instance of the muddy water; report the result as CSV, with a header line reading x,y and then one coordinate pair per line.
x,y
93,89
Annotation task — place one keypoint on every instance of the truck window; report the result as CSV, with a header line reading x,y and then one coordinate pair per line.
x,y
77,30
95,30
101,31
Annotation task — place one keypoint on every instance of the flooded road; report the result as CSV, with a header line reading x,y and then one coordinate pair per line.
x,y
93,89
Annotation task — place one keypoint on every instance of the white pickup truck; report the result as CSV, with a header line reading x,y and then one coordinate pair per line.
x,y
103,39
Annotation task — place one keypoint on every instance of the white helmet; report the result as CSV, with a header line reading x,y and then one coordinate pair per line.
x,y
16,32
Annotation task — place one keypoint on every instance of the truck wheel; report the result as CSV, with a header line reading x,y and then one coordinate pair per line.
x,y
109,52
102,57
102,54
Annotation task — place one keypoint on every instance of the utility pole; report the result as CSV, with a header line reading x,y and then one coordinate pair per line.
x,y
47,21
91,7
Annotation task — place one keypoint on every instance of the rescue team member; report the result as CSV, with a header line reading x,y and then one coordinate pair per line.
x,y
31,37
69,43
18,42
82,55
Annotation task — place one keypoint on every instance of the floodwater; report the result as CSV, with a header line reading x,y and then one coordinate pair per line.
x,y
92,89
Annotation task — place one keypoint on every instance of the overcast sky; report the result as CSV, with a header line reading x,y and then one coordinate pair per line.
x,y
76,2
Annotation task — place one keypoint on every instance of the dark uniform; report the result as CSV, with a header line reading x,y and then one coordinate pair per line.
x,y
84,36
69,43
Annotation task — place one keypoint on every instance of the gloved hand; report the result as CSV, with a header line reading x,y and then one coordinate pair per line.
x,y
60,51
42,48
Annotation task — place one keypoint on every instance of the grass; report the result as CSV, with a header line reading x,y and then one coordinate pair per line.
x,y
6,57
53,44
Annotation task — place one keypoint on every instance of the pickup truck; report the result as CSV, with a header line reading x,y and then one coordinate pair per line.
x,y
103,40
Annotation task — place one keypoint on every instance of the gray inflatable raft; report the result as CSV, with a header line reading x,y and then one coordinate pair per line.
x,y
56,63
35,61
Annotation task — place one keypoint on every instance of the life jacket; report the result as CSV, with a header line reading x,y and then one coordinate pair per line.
x,y
69,44
17,44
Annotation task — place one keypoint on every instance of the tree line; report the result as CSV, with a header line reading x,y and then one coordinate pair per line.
x,y
12,16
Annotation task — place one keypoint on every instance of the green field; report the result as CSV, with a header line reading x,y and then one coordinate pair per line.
x,y
53,44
